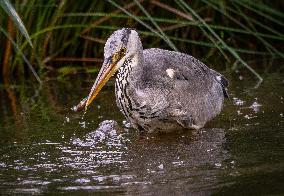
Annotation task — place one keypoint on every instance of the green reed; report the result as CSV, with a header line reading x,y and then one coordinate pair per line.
x,y
68,36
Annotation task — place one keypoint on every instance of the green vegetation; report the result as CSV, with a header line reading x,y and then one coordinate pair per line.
x,y
67,37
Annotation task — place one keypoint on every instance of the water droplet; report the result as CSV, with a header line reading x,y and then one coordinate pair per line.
x,y
218,164
126,124
255,106
82,180
238,101
85,111
161,166
83,124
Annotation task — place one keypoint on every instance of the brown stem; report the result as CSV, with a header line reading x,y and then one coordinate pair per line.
x,y
77,59
173,10
93,39
6,71
53,22
8,52
172,27
92,25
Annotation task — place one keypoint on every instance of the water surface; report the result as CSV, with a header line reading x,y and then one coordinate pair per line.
x,y
47,148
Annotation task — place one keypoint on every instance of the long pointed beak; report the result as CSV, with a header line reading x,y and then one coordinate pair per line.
x,y
107,70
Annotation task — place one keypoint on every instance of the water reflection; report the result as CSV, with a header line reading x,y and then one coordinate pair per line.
x,y
56,150
107,159
159,160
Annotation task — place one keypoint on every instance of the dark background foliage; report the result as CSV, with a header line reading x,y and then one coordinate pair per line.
x,y
68,36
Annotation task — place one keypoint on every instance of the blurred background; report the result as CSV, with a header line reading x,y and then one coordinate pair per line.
x,y
68,36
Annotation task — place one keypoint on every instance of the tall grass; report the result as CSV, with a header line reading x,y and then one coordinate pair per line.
x,y
9,9
65,34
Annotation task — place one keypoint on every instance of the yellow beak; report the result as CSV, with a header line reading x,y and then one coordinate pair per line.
x,y
107,70
105,73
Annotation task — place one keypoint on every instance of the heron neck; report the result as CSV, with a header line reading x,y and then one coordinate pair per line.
x,y
138,57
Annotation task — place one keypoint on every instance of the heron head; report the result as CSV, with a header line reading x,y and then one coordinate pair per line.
x,y
121,45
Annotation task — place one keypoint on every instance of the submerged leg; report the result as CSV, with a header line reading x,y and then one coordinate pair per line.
x,y
188,122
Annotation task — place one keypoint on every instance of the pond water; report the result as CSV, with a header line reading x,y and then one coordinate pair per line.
x,y
47,148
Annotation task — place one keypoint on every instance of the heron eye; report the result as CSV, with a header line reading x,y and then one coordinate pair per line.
x,y
123,50
118,55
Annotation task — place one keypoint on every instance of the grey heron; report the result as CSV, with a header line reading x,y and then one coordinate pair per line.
x,y
159,90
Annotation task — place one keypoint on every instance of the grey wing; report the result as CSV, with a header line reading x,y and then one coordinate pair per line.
x,y
195,93
149,99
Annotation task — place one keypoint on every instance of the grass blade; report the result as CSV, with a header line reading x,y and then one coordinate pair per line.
x,y
264,8
269,47
174,21
170,43
22,55
249,7
212,39
233,52
138,20
9,9
253,32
